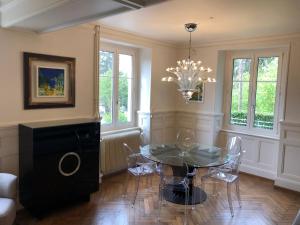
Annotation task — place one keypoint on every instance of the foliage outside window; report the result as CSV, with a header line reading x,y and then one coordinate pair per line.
x,y
116,87
254,92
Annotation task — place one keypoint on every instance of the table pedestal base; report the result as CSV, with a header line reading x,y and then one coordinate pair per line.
x,y
175,194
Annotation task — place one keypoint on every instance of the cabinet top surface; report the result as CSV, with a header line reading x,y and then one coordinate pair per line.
x,y
55,123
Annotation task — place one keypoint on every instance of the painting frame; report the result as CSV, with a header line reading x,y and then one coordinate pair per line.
x,y
49,81
198,96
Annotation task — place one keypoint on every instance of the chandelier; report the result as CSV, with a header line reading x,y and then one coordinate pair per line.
x,y
188,73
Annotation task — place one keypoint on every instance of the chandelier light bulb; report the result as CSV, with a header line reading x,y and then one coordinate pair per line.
x,y
170,79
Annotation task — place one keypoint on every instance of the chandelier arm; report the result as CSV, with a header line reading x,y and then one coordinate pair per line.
x,y
175,78
189,74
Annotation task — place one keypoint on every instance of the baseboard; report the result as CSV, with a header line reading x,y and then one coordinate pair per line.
x,y
287,183
258,172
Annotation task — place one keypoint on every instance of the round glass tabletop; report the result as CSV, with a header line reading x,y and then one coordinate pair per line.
x,y
198,155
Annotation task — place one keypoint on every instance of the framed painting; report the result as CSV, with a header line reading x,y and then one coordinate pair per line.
x,y
49,81
198,96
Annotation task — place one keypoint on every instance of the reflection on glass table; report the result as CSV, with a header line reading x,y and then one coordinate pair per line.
x,y
198,156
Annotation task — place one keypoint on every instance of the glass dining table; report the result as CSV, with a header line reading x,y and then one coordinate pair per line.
x,y
198,156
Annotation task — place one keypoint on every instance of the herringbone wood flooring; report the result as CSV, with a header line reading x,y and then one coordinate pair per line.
x,y
262,204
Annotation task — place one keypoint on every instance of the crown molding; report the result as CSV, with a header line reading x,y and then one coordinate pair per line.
x,y
282,37
109,33
117,34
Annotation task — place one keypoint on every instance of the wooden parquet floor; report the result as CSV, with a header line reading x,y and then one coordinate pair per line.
x,y
262,204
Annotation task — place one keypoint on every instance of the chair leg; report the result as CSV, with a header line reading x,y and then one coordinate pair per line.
x,y
160,202
187,190
237,188
137,184
125,187
203,183
214,192
229,198
194,199
149,181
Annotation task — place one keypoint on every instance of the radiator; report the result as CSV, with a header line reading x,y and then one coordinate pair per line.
x,y
113,157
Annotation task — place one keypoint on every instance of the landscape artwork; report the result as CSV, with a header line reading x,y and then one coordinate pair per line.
x,y
198,95
51,82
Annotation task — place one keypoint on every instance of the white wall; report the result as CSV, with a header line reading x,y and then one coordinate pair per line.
x,y
79,43
162,93
166,106
145,55
162,56
209,58
156,97
292,109
76,42
271,157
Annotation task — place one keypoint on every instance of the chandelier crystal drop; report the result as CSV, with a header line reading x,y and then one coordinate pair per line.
x,y
188,73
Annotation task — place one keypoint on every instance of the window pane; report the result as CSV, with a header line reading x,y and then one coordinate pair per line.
x,y
267,69
241,70
125,88
106,86
240,92
266,92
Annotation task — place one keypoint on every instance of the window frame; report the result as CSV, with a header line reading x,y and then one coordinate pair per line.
x,y
254,55
117,50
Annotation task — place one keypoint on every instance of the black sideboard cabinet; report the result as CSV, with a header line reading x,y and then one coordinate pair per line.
x,y
58,163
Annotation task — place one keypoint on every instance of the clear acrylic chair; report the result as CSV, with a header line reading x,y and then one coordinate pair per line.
x,y
185,139
137,166
228,172
167,179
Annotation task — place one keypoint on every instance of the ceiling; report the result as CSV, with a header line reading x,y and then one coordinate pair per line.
x,y
50,15
4,2
218,20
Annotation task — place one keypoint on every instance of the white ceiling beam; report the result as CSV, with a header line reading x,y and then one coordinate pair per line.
x,y
19,10
49,15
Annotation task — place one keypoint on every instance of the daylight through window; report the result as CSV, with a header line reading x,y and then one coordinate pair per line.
x,y
116,88
254,91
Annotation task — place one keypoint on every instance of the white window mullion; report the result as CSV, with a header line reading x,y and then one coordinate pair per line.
x,y
115,89
252,91
131,86
278,93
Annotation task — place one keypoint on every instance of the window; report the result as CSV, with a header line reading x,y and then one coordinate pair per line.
x,y
240,92
116,87
254,95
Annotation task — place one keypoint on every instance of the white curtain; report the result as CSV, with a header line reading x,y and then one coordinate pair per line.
x,y
96,71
